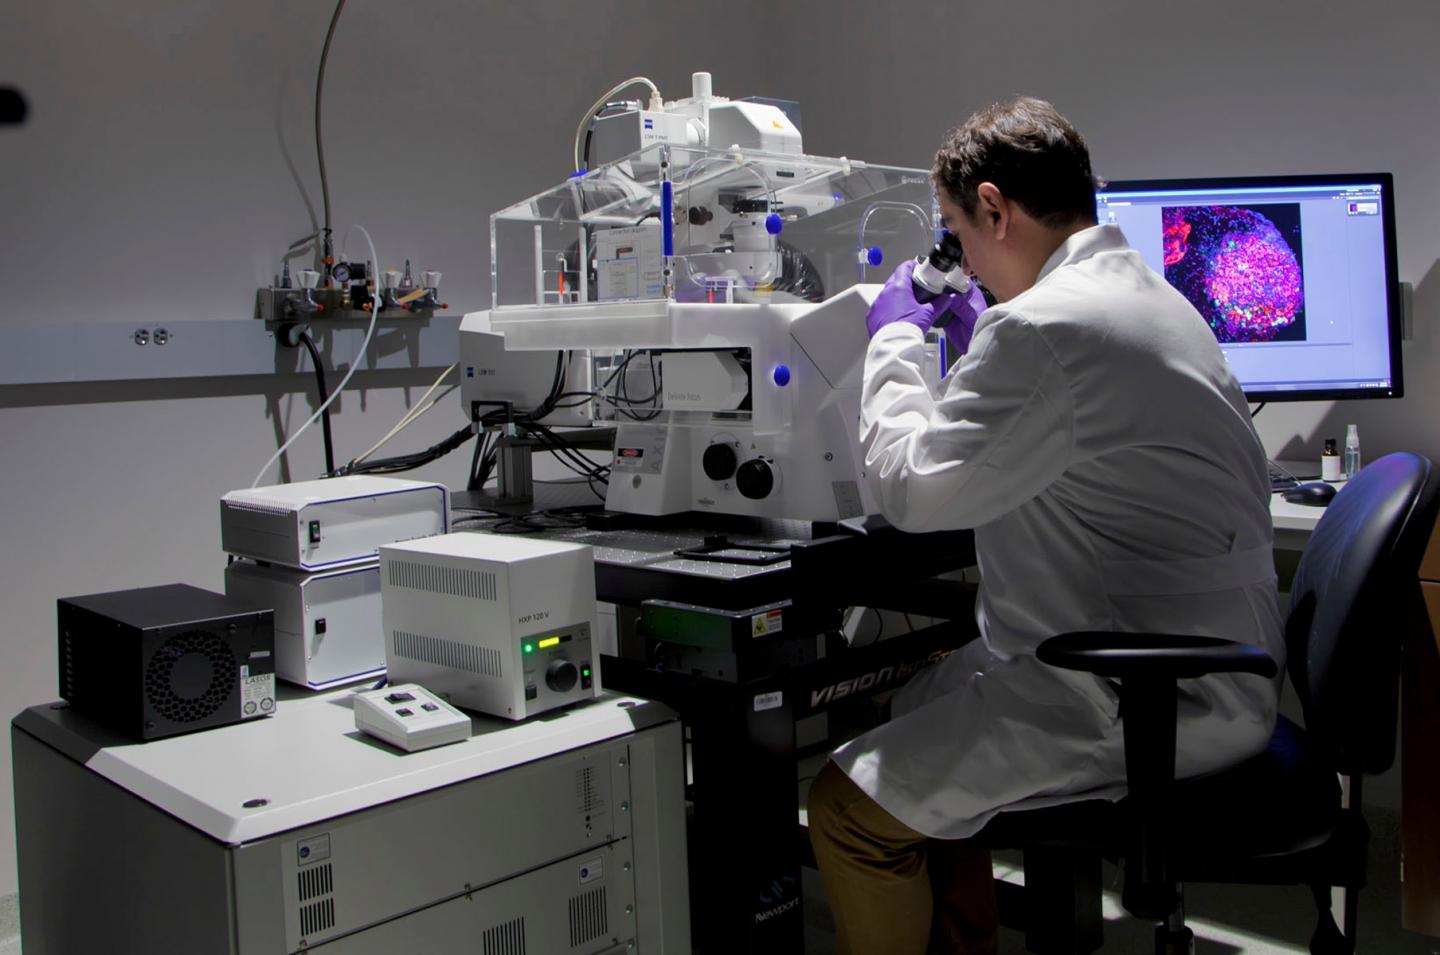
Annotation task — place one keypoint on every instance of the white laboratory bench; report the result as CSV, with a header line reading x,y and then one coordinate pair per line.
x,y
297,833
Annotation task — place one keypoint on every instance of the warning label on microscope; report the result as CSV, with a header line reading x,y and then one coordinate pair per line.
x,y
761,624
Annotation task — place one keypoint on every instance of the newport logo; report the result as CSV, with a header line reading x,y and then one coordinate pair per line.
x,y
769,914
777,892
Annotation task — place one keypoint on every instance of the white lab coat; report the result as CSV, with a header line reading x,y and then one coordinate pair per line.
x,y
1097,442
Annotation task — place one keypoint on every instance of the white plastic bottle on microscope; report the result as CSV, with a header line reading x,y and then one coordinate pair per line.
x,y
1351,463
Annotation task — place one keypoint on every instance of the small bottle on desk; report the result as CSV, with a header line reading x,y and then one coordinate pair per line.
x,y
1330,462
1352,451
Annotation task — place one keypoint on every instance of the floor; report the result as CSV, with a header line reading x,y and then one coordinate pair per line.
x,y
1245,920
9,925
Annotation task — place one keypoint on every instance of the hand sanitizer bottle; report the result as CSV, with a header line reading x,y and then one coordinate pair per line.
x,y
1352,451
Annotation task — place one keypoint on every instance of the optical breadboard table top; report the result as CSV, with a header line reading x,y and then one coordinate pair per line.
x,y
309,763
655,550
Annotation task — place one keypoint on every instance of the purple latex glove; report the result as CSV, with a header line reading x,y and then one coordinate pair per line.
x,y
964,311
896,303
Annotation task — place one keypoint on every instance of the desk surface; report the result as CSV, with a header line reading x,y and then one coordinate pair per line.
x,y
1293,517
309,763
1296,517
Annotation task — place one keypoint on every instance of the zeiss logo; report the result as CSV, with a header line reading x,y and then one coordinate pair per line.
x,y
649,124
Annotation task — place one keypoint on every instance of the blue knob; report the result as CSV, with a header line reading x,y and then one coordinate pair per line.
x,y
781,374
874,256
773,223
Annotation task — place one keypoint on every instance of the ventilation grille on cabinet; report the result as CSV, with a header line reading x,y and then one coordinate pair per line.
x,y
447,653
507,939
586,792
456,581
257,506
199,699
316,881
589,918
67,666
317,917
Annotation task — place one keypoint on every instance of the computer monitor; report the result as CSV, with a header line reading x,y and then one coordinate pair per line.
x,y
1296,275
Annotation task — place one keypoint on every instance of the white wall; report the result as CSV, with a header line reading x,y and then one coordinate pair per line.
x,y
152,184
1163,88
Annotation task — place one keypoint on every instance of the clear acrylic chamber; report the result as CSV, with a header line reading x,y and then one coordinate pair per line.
x,y
713,291
743,226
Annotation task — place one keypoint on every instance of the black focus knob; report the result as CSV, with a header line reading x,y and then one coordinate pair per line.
x,y
561,676
755,479
719,462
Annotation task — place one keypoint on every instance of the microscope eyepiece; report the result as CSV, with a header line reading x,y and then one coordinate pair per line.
x,y
940,272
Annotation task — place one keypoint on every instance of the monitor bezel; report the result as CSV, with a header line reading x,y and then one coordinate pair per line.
x,y
1393,305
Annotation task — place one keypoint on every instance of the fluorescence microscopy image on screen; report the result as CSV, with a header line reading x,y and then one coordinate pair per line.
x,y
1241,267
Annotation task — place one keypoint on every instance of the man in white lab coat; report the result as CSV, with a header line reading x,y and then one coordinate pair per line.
x,y
1097,442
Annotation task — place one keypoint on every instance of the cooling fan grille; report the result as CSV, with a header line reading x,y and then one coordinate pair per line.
x,y
176,683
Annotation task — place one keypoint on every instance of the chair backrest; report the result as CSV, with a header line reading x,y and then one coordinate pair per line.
x,y
1355,595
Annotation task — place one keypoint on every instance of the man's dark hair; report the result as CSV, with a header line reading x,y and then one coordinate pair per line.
x,y
1030,152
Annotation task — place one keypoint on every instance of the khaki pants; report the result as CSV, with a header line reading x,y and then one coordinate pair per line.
x,y
892,890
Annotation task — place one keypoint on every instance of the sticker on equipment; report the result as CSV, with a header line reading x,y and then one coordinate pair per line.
x,y
257,695
772,621
592,869
769,701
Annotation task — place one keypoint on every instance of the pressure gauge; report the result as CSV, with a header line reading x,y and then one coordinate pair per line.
x,y
340,272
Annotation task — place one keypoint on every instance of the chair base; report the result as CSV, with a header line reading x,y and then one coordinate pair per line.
x,y
1327,938
1062,902
1174,941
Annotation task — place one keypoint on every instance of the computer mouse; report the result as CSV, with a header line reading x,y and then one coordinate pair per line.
x,y
1315,494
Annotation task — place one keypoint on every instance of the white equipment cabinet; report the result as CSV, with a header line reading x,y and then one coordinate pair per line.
x,y
327,623
300,834
501,625
312,525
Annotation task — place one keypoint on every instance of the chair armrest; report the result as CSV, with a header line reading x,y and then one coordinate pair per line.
x,y
1148,666
1141,655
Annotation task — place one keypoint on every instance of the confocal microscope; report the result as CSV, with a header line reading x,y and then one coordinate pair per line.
x,y
700,283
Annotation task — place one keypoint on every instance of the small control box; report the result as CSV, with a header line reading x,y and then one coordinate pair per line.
x,y
409,717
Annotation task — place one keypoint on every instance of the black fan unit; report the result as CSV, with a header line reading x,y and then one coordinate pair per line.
x,y
158,661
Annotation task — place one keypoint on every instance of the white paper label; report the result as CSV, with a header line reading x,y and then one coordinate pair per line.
x,y
257,694
769,701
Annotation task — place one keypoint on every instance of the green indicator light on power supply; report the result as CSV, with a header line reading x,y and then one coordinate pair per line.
x,y
585,672
528,647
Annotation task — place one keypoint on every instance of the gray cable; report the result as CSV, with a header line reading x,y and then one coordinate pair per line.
x,y
319,93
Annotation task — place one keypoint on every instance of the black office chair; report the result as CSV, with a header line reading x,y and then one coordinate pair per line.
x,y
1279,818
